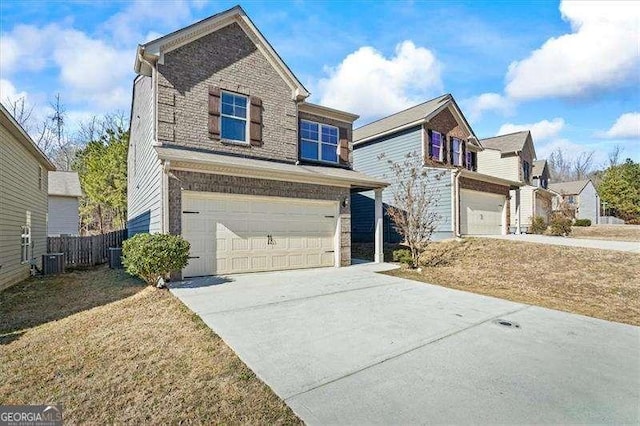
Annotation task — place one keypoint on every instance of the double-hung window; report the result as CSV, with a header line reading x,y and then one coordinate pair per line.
x,y
457,151
436,146
526,171
318,142
470,160
233,117
25,243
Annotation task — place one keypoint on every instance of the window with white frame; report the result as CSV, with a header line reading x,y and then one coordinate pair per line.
x,y
25,243
318,142
233,117
456,145
436,146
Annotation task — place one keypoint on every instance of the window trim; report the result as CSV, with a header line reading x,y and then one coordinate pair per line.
x,y
25,244
319,142
459,153
440,147
247,119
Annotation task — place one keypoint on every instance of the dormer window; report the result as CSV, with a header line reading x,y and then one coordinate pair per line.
x,y
318,142
436,146
233,117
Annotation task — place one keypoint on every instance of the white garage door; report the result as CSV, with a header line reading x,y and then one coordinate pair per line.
x,y
480,213
239,233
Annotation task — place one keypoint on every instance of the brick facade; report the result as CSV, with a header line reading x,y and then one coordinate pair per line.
x,y
477,185
226,58
193,181
445,123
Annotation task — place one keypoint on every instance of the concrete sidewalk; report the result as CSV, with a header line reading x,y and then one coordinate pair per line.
x,y
351,346
633,247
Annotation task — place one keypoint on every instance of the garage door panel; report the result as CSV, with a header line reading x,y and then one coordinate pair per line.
x,y
230,235
481,213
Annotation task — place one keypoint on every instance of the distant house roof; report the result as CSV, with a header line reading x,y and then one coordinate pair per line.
x,y
65,184
507,143
538,167
569,188
415,115
10,123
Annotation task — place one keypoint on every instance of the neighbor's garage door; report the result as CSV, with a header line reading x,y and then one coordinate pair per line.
x,y
239,233
480,213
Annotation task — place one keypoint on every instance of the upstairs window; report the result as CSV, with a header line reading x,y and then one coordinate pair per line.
x,y
470,161
526,170
456,152
436,146
544,182
318,142
233,117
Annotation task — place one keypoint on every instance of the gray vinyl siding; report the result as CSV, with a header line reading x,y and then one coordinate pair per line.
x,y
21,191
144,190
366,159
589,203
64,216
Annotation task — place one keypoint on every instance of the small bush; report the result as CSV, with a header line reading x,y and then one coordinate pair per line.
x,y
582,222
559,225
403,256
154,256
538,225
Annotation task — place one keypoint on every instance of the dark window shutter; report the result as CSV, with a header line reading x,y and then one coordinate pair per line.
x,y
463,152
474,161
343,150
445,148
214,112
255,127
428,132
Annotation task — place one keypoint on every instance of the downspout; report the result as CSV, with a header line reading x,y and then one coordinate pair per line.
x,y
456,204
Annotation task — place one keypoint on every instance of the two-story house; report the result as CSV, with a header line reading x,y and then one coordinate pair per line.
x,y
513,157
580,196
467,202
226,152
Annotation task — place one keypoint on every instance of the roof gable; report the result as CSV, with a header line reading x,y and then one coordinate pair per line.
x,y
410,117
569,188
155,50
539,168
66,184
511,142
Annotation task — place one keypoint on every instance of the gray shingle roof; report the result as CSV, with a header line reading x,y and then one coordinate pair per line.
x,y
66,184
506,143
400,119
569,188
538,167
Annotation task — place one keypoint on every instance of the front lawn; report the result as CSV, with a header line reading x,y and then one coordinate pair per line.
x,y
598,283
113,351
607,232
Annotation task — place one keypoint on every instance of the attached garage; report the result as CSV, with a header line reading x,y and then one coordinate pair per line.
x,y
232,233
481,213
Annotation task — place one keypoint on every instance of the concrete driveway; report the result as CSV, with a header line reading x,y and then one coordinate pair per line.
x,y
352,346
630,246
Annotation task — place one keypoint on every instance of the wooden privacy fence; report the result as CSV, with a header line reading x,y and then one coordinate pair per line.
x,y
86,251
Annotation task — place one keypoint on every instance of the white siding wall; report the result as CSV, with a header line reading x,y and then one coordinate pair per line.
x,y
64,217
526,207
21,190
491,163
144,169
589,204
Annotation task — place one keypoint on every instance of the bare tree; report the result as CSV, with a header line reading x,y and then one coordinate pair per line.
x,y
582,165
413,209
563,169
614,155
20,110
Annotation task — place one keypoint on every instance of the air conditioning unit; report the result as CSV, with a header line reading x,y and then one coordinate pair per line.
x,y
52,263
115,258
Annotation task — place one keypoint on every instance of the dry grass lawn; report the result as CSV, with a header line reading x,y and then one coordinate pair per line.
x,y
114,351
607,232
597,283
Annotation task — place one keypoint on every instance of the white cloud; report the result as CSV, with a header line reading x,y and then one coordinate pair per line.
x,y
478,105
540,131
10,94
368,83
600,53
627,126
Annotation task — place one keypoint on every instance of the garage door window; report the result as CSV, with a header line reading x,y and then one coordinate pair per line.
x,y
318,142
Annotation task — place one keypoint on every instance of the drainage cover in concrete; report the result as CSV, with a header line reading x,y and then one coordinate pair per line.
x,y
507,323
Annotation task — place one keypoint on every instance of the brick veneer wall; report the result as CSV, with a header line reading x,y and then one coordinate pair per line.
x,y
445,123
477,185
229,59
193,181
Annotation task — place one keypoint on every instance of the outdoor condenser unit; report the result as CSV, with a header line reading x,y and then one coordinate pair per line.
x,y
52,263
115,258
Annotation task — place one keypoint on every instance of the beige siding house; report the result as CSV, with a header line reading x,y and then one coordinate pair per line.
x,y
64,204
23,201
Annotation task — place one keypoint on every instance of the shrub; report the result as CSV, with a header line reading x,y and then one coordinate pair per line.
x,y
154,256
538,225
582,222
403,256
559,225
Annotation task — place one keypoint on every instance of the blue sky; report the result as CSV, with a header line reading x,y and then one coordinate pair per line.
x,y
568,71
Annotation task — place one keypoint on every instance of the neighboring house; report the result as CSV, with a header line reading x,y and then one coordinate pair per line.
x,y
580,196
64,204
513,156
468,203
225,151
23,201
